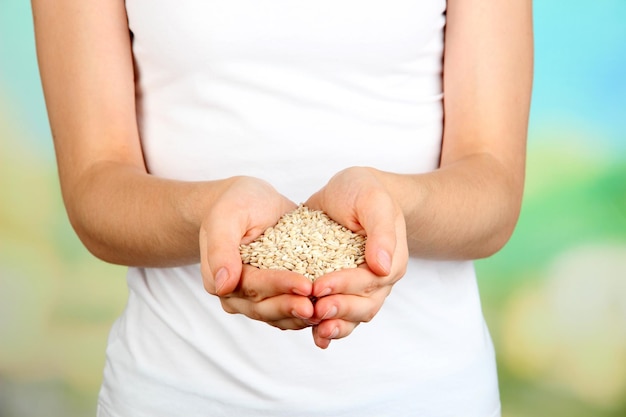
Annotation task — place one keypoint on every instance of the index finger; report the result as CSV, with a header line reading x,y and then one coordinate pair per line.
x,y
356,281
259,284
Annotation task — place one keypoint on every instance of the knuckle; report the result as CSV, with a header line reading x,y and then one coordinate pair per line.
x,y
251,294
227,307
369,315
255,314
371,309
371,287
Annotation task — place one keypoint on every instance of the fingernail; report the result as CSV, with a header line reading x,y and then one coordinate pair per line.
x,y
298,292
220,279
298,316
384,261
334,333
332,312
324,293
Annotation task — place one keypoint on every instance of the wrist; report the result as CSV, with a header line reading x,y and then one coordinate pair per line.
x,y
409,191
198,200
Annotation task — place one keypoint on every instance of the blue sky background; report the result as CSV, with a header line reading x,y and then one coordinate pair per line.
x,y
580,68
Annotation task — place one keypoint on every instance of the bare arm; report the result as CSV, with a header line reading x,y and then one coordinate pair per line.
x,y
122,213
469,207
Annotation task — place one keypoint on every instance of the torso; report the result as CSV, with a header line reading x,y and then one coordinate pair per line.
x,y
293,91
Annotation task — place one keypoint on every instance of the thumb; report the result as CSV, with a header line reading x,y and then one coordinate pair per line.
x,y
314,201
379,221
219,254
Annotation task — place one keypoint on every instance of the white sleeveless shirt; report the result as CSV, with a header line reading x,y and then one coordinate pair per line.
x,y
292,91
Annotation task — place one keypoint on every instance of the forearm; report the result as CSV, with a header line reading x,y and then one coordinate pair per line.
x,y
465,210
126,216
468,208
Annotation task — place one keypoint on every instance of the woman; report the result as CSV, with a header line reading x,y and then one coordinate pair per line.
x,y
183,130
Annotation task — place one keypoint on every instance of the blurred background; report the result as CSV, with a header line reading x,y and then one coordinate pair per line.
x,y
554,297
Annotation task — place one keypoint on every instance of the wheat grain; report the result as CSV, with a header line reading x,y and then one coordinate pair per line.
x,y
307,242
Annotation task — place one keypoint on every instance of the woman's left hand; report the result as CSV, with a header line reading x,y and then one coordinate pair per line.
x,y
356,199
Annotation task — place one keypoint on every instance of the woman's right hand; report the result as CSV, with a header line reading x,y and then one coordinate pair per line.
x,y
244,209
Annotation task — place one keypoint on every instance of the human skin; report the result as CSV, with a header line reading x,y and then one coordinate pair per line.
x,y
466,209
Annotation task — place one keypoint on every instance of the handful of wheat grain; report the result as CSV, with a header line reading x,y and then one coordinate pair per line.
x,y
307,242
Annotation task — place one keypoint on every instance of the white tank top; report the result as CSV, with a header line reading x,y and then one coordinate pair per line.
x,y
293,91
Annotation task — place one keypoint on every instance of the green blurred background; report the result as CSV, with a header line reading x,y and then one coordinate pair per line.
x,y
554,297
